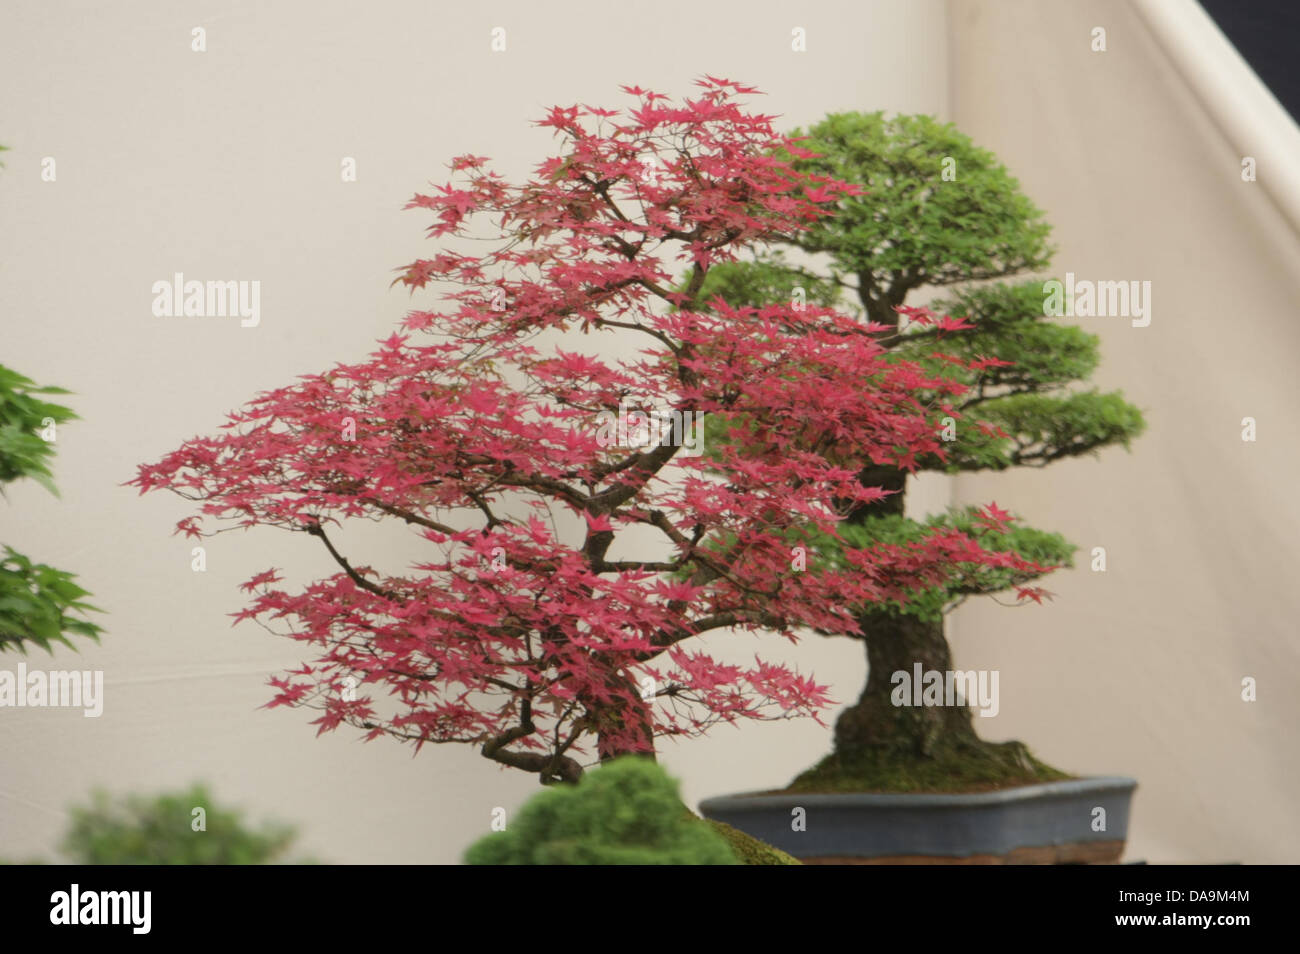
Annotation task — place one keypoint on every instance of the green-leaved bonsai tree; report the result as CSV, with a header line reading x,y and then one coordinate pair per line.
x,y
937,211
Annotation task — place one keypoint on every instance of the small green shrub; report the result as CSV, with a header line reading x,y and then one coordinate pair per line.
x,y
159,830
628,812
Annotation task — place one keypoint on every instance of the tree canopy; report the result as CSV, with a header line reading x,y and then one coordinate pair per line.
x,y
569,567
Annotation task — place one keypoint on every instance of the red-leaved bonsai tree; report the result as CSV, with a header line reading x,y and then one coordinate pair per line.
x,y
541,439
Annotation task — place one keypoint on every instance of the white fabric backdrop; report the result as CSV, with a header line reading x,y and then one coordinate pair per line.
x,y
226,165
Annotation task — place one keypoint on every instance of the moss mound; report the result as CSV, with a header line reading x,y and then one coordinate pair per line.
x,y
965,767
749,849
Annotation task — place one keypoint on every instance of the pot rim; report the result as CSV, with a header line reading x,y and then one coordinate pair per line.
x,y
1068,788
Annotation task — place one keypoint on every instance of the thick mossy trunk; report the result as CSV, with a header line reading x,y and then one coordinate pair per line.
x,y
894,644
880,746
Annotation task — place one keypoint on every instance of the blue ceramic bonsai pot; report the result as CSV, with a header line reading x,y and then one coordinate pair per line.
x,y
1078,821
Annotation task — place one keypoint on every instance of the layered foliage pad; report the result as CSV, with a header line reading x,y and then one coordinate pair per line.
x,y
935,208
1032,418
1039,548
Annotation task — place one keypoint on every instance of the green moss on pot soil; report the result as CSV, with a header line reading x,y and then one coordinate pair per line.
x,y
976,766
750,850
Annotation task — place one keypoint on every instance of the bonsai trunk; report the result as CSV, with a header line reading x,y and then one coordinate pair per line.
x,y
897,643
894,644
881,747
612,721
